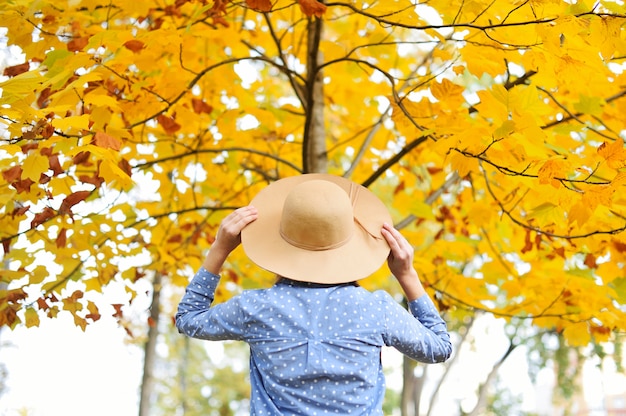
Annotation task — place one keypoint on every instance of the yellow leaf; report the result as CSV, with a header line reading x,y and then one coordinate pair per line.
x,y
463,164
38,275
422,210
577,335
112,174
31,317
19,87
590,105
99,98
94,313
72,123
6,195
551,169
614,153
448,92
506,128
34,165
546,213
93,284
579,213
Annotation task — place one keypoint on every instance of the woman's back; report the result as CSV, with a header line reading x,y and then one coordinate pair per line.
x,y
315,350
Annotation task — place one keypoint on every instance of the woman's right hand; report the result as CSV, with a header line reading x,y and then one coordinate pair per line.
x,y
228,237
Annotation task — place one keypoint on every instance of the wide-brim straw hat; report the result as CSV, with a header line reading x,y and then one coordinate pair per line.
x,y
317,228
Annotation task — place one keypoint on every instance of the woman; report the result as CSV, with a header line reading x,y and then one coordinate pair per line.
x,y
315,337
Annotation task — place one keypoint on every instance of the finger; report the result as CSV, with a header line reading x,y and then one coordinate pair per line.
x,y
241,217
391,240
394,237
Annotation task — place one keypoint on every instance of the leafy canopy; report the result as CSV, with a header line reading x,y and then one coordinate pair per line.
x,y
493,129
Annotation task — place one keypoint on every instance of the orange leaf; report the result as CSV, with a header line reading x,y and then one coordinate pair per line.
x,y
614,153
312,8
23,185
447,91
551,169
107,141
14,70
199,106
260,5
72,200
134,45
600,333
119,314
42,217
590,261
93,314
55,165
82,158
61,238
77,44
175,239
168,123
13,174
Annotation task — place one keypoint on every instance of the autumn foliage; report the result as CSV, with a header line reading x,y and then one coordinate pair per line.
x,y
493,129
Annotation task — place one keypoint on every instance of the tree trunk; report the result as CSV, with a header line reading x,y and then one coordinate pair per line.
x,y
412,387
184,366
407,386
464,332
314,157
484,387
147,382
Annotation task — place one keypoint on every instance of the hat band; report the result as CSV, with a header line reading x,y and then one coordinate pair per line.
x,y
311,247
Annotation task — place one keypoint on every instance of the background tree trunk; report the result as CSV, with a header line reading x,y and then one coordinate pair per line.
x,y
483,390
412,387
147,381
314,146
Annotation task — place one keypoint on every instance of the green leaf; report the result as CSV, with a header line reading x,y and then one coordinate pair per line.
x,y
619,285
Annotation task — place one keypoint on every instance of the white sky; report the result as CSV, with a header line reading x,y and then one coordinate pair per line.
x,y
57,370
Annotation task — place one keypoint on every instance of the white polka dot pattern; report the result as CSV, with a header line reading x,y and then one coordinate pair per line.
x,y
315,350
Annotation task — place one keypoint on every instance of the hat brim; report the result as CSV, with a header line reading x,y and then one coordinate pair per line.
x,y
362,255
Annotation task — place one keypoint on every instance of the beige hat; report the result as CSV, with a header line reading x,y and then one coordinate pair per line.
x,y
317,228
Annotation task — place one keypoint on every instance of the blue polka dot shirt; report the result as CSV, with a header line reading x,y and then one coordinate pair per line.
x,y
314,349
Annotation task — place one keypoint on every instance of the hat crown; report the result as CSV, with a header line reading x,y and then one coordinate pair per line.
x,y
317,215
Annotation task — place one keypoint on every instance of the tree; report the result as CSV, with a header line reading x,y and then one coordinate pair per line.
x,y
493,129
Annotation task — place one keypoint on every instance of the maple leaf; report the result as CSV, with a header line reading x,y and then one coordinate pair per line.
x,y
12,174
119,314
549,170
579,213
61,239
42,217
72,200
77,44
168,123
312,8
590,261
15,70
448,92
81,158
260,5
106,141
134,45
200,106
31,318
614,153
34,166
577,334
93,314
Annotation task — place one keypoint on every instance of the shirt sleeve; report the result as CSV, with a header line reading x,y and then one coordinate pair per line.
x,y
421,334
197,317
